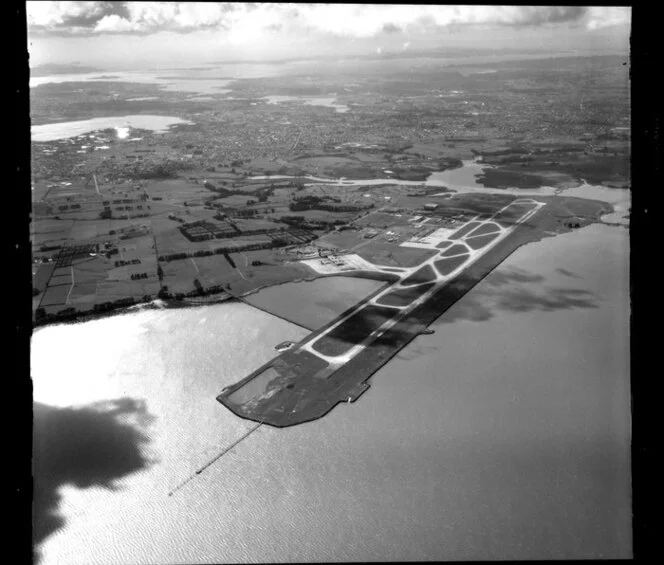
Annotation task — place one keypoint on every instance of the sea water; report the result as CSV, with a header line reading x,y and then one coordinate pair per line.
x,y
504,435
64,130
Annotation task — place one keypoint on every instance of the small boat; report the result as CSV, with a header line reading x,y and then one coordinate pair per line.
x,y
284,345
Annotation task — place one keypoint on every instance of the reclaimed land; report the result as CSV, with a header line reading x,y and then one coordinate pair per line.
x,y
446,266
404,296
464,230
293,389
484,230
458,249
425,274
481,240
354,330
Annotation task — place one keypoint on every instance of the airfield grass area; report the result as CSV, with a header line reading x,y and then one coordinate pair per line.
x,y
464,230
446,266
480,241
380,253
404,296
509,215
457,249
425,274
353,330
484,229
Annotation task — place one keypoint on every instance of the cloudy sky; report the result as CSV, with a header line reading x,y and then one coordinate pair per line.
x,y
136,34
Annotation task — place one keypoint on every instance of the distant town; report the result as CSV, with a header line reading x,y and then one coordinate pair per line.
x,y
249,184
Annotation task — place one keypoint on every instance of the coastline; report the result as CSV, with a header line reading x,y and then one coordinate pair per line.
x,y
155,304
296,388
194,301
617,198
548,406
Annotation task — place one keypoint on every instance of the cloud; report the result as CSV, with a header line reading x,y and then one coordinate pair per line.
x,y
389,27
115,23
343,20
602,17
72,17
534,15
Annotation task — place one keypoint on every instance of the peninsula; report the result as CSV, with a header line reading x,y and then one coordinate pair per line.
x,y
333,364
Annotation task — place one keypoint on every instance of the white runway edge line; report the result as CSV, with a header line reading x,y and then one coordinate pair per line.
x,y
441,280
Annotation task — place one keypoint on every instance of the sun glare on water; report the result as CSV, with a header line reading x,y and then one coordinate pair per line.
x,y
74,364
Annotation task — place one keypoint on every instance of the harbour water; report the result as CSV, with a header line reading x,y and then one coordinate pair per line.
x,y
504,435
310,100
192,81
464,180
65,130
313,304
214,77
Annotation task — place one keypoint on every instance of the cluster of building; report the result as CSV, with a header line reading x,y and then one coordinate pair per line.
x,y
70,253
332,260
202,230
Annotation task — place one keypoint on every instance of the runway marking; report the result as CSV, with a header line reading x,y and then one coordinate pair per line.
x,y
441,280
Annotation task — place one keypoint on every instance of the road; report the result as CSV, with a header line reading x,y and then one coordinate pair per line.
x,y
73,282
